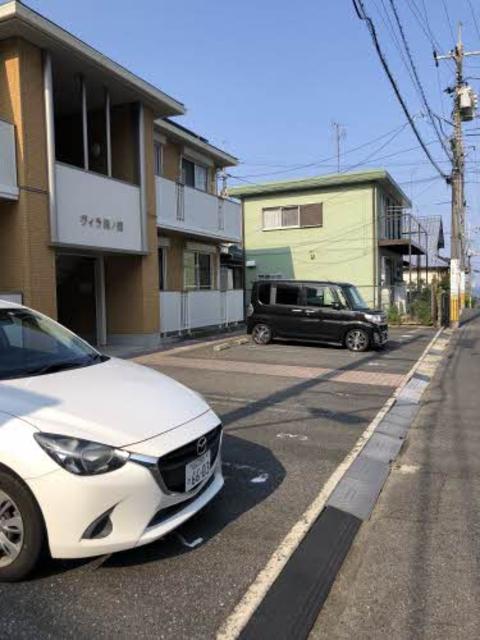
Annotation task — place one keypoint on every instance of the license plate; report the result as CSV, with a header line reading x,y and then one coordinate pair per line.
x,y
197,471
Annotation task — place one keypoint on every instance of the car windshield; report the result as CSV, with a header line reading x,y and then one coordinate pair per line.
x,y
355,298
31,344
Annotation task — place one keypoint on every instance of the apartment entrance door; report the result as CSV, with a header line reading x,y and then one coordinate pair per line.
x,y
80,296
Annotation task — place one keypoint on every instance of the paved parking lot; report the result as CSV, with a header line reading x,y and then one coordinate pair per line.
x,y
291,414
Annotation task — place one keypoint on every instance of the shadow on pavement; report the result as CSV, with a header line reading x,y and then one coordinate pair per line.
x,y
247,484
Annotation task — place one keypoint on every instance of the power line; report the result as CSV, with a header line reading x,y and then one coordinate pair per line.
x,y
348,151
360,9
390,27
384,157
417,78
423,22
474,17
447,15
317,163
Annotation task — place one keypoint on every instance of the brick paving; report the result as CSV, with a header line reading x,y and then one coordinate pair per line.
x,y
285,371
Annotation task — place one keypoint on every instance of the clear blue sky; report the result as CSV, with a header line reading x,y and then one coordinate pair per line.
x,y
265,79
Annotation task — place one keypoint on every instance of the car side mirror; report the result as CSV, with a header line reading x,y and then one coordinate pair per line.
x,y
337,306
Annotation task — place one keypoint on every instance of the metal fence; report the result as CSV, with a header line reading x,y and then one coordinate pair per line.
x,y
420,304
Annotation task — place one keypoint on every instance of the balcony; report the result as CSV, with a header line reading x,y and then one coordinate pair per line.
x,y
8,162
182,208
402,233
97,212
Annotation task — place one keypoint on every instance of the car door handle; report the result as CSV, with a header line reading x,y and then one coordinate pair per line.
x,y
311,311
297,310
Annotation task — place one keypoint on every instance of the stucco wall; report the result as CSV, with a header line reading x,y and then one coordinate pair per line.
x,y
341,250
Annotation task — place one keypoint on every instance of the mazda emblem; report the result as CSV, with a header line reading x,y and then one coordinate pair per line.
x,y
201,446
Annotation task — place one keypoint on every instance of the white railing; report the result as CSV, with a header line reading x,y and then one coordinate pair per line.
x,y
8,162
182,208
184,311
96,211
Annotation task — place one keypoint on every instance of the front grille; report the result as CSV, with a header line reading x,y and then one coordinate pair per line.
x,y
164,514
172,466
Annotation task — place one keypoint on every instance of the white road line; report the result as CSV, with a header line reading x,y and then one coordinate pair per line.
x,y
254,595
186,543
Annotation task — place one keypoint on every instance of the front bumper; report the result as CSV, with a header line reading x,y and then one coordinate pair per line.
x,y
380,336
123,509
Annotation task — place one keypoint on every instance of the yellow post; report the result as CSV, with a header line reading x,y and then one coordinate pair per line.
x,y
454,292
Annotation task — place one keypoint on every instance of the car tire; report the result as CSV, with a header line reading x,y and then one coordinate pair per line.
x,y
262,333
22,531
357,340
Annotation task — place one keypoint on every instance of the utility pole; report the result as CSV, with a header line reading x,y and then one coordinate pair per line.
x,y
339,133
463,110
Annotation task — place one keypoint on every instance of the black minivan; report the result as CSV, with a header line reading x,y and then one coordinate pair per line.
x,y
309,310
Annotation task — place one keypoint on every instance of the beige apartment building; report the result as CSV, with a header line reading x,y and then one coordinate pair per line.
x,y
110,219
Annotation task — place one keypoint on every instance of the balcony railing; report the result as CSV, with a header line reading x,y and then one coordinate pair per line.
x,y
187,310
8,162
183,208
402,233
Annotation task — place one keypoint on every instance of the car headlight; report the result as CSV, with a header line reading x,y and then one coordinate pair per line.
x,y
374,317
81,457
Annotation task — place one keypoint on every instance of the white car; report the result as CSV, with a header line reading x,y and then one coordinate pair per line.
x,y
97,454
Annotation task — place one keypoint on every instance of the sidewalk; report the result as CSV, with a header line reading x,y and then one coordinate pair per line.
x,y
169,344
414,569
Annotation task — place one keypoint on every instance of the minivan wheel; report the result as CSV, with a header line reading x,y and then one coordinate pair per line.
x,y
262,334
357,340
22,533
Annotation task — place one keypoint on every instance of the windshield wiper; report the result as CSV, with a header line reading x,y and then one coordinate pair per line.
x,y
54,367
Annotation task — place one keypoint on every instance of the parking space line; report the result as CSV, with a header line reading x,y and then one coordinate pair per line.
x,y
284,371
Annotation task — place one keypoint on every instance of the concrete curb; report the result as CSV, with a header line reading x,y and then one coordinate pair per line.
x,y
353,490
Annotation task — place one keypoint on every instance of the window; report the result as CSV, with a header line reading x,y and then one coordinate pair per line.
x,y
320,296
162,268
198,270
158,158
201,176
194,175
287,294
264,293
280,217
311,215
355,298
298,216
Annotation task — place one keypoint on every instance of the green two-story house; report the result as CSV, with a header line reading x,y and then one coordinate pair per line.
x,y
352,227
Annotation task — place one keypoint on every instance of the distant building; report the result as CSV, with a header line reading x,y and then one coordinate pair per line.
x,y
431,266
352,227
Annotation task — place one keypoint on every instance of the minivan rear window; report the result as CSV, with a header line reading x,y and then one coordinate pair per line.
x,y
287,294
264,293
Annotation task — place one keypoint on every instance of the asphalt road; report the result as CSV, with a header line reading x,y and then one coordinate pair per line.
x,y
291,415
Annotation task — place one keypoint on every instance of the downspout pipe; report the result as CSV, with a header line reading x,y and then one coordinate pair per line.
x,y
375,245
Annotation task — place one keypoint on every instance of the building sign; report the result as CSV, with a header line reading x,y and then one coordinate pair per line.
x,y
97,212
109,224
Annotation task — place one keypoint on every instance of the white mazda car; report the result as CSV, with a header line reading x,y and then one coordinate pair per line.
x,y
96,454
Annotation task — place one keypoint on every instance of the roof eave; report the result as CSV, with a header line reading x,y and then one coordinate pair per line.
x,y
379,176
222,158
160,102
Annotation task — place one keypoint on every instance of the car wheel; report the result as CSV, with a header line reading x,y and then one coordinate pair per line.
x,y
357,340
22,533
262,334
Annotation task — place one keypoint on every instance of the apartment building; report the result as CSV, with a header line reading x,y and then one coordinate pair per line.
x,y
110,219
352,227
